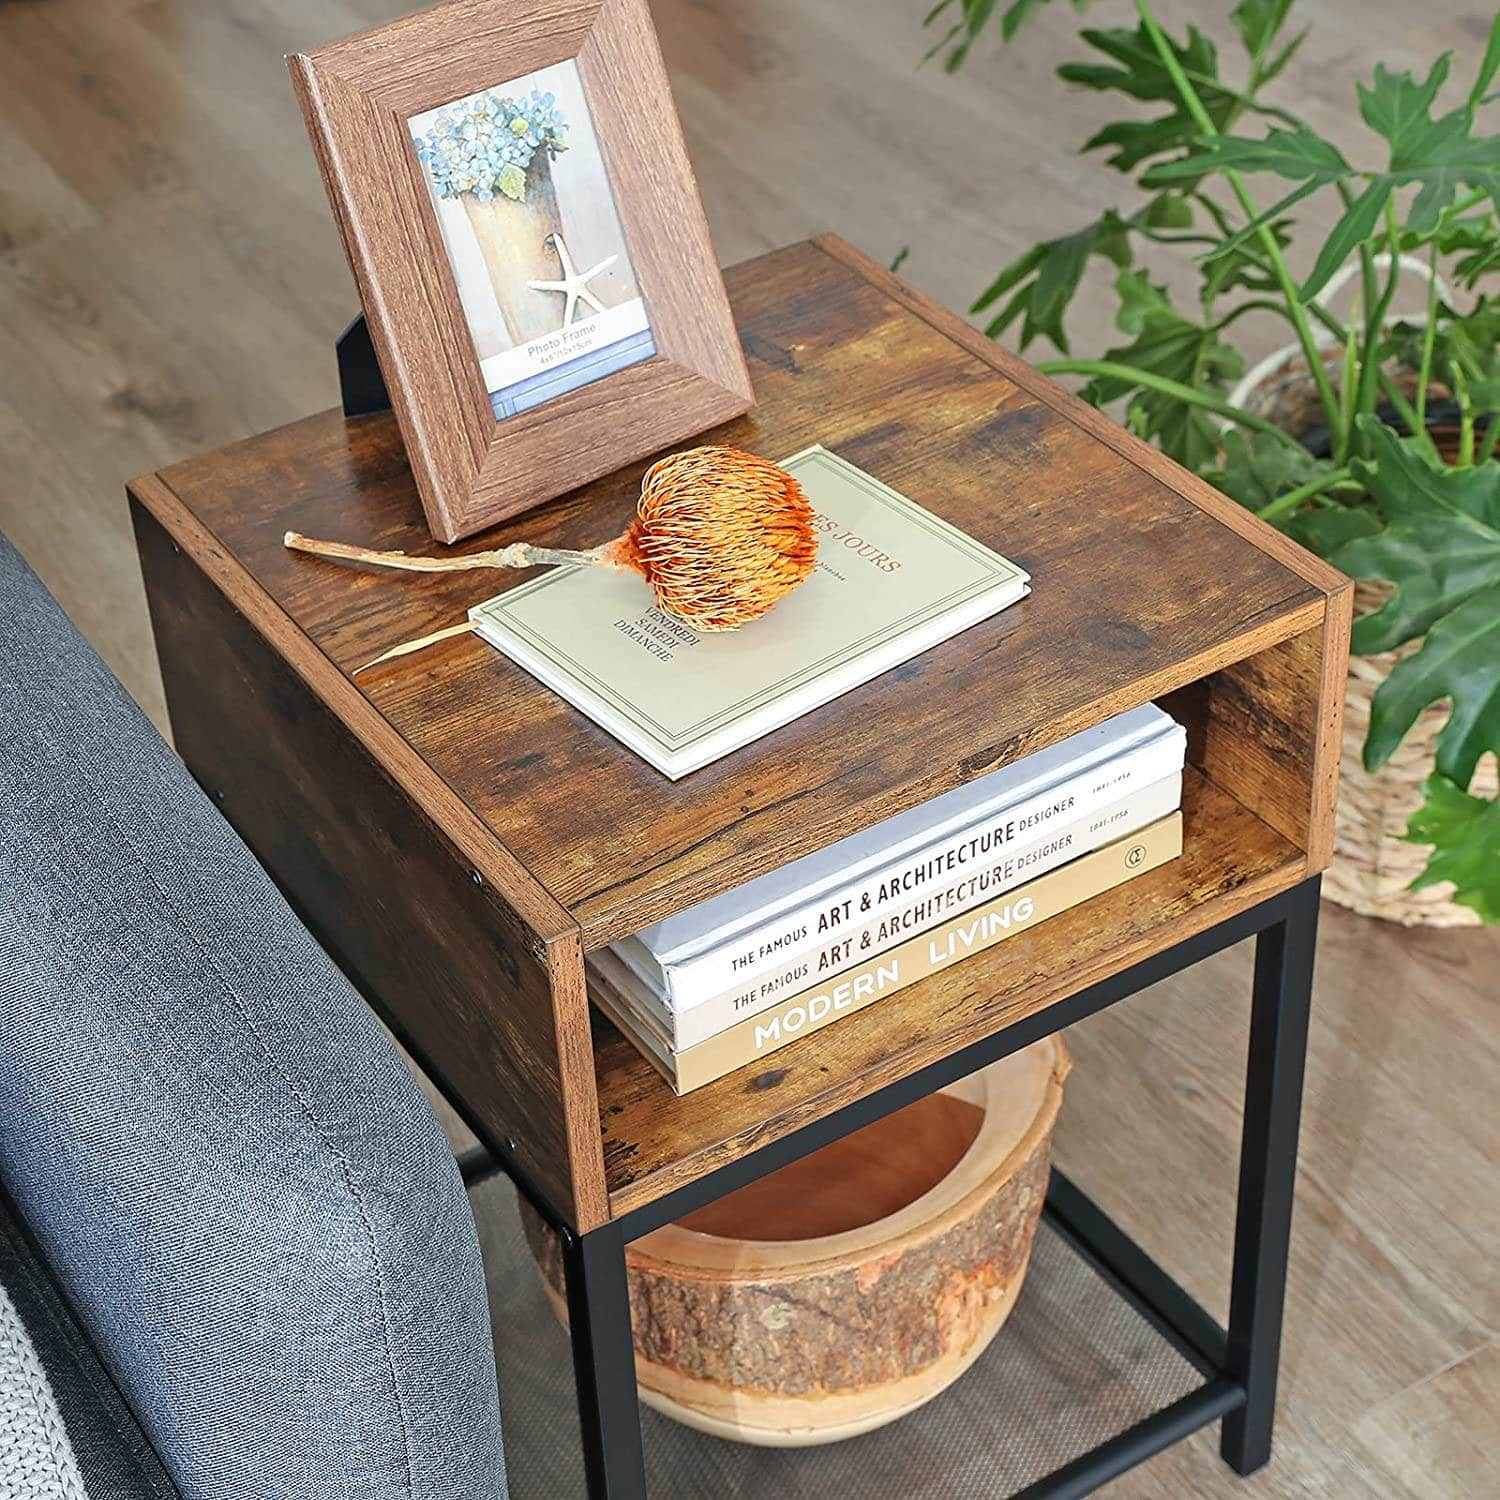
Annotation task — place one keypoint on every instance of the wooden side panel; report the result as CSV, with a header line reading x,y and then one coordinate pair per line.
x,y
450,963
1332,691
1268,729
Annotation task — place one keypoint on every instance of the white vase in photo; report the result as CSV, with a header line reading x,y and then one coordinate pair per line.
x,y
513,240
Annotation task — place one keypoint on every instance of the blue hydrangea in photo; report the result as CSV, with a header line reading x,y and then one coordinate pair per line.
x,y
484,144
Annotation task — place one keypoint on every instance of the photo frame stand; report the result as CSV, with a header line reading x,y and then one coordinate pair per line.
x,y
362,390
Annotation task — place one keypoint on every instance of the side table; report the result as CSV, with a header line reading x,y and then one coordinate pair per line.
x,y
458,837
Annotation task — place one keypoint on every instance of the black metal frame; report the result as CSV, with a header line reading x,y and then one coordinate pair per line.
x,y
1239,1364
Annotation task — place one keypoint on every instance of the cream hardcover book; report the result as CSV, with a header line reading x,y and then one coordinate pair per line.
x,y
892,579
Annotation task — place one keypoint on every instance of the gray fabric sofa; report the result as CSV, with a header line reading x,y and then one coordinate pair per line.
x,y
236,1256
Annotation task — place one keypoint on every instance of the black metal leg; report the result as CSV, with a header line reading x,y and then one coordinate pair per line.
x,y
1268,1170
604,1363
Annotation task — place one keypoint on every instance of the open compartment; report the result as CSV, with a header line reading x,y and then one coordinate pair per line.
x,y
1252,822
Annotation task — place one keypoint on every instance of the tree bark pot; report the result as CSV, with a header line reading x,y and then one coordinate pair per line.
x,y
851,1287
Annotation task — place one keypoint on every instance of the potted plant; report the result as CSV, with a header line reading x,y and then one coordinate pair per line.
x,y
1372,438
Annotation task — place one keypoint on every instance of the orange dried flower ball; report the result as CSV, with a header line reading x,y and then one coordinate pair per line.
x,y
720,535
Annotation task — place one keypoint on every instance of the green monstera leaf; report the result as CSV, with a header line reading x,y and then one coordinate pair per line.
x,y
1440,551
1459,661
1259,23
1327,529
1134,68
1257,469
1440,154
1465,834
1440,545
1296,153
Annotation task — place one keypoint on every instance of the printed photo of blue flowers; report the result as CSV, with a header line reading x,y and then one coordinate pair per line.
x,y
485,144
533,237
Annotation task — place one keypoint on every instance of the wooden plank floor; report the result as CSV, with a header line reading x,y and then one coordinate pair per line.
x,y
170,281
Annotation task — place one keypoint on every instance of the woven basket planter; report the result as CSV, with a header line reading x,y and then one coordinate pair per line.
x,y
1372,865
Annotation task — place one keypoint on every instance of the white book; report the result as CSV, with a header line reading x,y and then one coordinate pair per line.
x,y
729,941
885,927
891,580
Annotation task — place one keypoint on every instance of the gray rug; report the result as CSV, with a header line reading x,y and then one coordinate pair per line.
x,y
1073,1366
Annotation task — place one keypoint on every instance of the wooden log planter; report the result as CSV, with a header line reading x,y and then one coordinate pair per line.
x,y
850,1287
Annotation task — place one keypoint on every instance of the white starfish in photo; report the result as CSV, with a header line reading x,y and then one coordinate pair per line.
x,y
574,285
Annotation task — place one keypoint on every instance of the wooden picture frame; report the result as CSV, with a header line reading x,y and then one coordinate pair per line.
x,y
360,97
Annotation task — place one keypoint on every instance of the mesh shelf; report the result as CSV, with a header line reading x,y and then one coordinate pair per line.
x,y
1074,1366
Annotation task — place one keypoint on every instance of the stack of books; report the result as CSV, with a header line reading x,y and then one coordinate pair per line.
x,y
723,984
